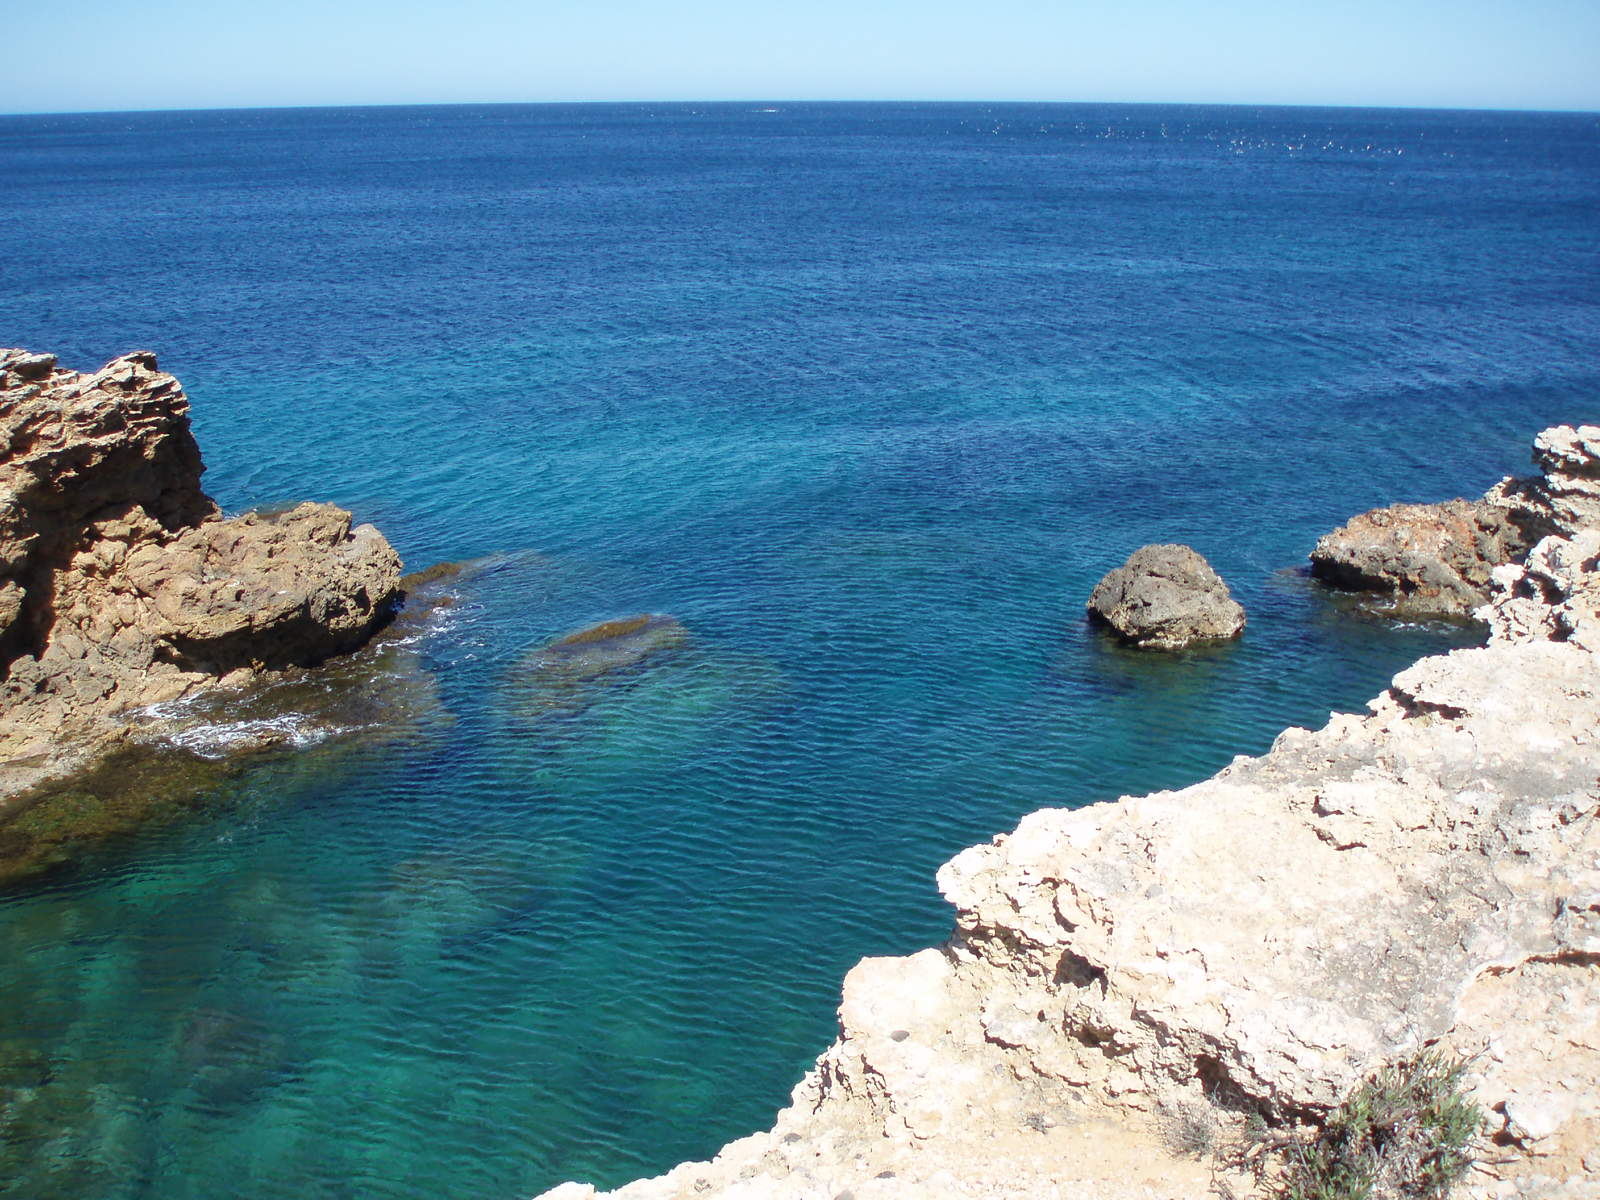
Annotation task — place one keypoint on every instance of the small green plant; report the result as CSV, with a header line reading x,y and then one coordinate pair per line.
x,y
1405,1133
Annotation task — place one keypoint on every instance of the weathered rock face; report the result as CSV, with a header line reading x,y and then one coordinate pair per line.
x,y
1166,597
121,585
1436,559
1427,873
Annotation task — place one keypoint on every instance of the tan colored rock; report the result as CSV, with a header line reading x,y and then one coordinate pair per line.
x,y
121,584
1422,558
1426,873
1535,1031
287,589
1552,595
1569,454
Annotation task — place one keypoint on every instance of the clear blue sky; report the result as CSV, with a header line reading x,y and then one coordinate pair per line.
x,y
71,55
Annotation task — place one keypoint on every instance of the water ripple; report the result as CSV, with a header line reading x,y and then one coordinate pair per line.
x,y
867,398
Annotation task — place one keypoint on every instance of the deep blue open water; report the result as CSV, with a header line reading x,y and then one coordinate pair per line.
x,y
868,397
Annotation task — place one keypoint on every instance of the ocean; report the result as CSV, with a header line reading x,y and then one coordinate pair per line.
x,y
867,396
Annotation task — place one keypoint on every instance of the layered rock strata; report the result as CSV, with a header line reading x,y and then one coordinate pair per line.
x,y
1166,597
1427,873
1436,559
121,583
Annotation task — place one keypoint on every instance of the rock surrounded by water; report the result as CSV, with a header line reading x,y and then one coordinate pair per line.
x,y
122,585
609,646
1424,874
1436,559
1166,597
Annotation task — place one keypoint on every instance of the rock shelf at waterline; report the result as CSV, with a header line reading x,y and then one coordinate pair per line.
x,y
122,586
1426,560
180,757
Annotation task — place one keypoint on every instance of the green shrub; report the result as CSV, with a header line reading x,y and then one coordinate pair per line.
x,y
1407,1132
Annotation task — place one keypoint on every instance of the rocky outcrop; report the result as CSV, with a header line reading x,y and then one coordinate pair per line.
x,y
1427,873
1164,598
1436,559
121,583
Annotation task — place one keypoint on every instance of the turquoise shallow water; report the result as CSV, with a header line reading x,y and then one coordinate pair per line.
x,y
868,397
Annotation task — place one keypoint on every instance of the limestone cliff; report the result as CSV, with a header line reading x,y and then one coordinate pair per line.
x,y
1427,873
121,583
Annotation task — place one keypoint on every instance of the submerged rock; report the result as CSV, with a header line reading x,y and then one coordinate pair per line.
x,y
441,572
121,583
1166,597
610,646
183,756
1437,559
565,674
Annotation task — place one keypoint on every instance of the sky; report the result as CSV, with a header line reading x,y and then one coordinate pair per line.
x,y
98,55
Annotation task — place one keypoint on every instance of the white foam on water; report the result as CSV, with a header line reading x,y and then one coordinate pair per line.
x,y
181,723
440,621
218,741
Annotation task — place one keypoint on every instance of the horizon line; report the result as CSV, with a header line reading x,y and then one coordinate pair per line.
x,y
400,104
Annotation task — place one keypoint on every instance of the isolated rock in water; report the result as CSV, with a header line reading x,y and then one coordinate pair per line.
x,y
1166,597
610,646
1436,559
121,585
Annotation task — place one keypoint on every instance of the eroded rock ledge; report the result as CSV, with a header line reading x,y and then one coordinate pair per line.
x,y
122,585
1426,873
1425,560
